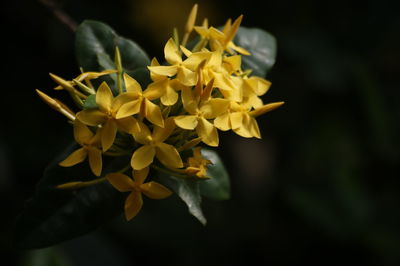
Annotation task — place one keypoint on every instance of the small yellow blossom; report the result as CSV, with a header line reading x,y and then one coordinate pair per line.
x,y
166,86
200,112
154,146
197,165
106,116
140,102
178,67
241,119
137,187
90,148
223,40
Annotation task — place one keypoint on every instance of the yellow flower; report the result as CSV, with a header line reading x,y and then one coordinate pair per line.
x,y
178,67
154,146
106,116
197,165
215,68
166,86
90,148
223,40
241,120
136,186
252,87
140,102
199,113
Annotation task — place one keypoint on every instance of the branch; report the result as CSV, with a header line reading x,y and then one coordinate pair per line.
x,y
63,17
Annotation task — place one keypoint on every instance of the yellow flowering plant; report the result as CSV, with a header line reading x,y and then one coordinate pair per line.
x,y
143,127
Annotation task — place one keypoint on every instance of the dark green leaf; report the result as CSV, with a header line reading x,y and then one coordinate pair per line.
x,y
218,186
189,192
261,45
95,48
53,256
54,215
90,102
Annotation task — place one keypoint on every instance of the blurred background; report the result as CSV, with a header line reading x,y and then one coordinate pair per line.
x,y
320,188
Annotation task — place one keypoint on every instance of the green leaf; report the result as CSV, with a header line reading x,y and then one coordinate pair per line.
x,y
261,45
90,102
55,215
53,256
218,186
95,49
189,192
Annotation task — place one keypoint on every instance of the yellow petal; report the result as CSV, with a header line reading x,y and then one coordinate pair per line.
x,y
259,85
92,117
155,190
129,108
266,108
128,124
202,31
168,155
234,63
133,204
82,133
108,133
188,100
245,129
253,128
96,140
233,29
161,134
143,157
214,107
155,90
207,132
131,84
140,175
195,60
222,82
104,97
238,49
171,52
191,19
143,136
164,70
121,182
170,96
216,33
185,51
254,101
95,161
155,77
122,99
186,76
153,113
222,122
236,119
215,59
188,122
76,157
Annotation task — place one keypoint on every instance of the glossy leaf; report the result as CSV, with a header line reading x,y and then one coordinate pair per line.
x,y
55,215
189,192
218,186
95,40
261,45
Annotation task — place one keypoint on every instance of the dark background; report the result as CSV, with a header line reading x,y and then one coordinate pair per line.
x,y
320,188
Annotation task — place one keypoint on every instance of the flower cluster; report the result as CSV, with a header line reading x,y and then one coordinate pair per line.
x,y
199,89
